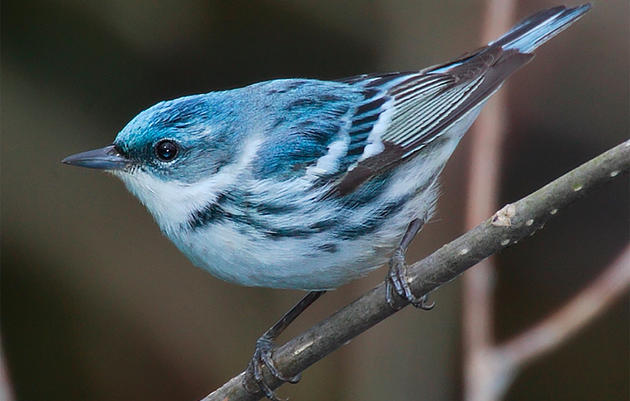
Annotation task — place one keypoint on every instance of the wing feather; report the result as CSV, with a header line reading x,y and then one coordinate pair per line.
x,y
347,132
416,108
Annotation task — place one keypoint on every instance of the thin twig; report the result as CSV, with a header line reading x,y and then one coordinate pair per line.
x,y
483,181
508,226
575,314
501,363
6,390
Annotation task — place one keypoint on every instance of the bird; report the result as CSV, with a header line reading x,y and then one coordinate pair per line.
x,y
309,184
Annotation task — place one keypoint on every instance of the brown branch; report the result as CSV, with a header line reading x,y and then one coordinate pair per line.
x,y
478,284
501,363
489,368
556,328
509,225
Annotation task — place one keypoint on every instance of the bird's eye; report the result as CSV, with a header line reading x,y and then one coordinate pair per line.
x,y
166,150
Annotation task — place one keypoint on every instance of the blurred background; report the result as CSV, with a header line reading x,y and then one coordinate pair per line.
x,y
98,305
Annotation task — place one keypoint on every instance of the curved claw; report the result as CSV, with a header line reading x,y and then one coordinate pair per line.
x,y
262,356
396,281
424,303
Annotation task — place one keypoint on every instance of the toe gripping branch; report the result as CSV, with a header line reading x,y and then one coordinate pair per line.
x,y
262,356
396,280
265,347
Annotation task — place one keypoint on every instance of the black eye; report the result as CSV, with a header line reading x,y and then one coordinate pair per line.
x,y
166,150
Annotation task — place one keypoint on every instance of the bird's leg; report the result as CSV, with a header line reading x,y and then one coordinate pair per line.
x,y
265,346
397,276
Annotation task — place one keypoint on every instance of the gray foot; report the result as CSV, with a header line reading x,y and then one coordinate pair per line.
x,y
262,356
396,281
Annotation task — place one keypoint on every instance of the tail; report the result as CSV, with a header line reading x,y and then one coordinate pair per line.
x,y
525,37
539,28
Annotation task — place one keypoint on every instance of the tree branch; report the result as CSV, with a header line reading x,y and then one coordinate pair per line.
x,y
554,329
501,363
509,225
483,181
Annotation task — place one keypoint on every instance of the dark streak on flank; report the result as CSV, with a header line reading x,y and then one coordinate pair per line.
x,y
211,213
331,248
274,209
374,222
248,217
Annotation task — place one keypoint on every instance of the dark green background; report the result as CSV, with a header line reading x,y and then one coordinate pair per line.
x,y
97,305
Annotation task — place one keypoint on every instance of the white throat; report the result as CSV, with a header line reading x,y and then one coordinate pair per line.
x,y
172,202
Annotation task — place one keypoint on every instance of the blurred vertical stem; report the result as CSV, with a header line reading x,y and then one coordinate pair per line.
x,y
6,391
479,378
579,311
488,367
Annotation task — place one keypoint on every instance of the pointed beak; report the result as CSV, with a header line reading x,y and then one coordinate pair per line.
x,y
107,158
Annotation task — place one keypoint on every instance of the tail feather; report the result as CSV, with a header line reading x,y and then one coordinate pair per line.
x,y
524,37
539,28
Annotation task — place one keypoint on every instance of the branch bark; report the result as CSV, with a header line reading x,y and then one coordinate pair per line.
x,y
560,325
506,227
501,363
483,182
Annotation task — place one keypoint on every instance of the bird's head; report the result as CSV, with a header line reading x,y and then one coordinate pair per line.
x,y
170,155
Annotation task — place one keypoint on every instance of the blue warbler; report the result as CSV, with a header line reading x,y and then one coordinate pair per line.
x,y
308,184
